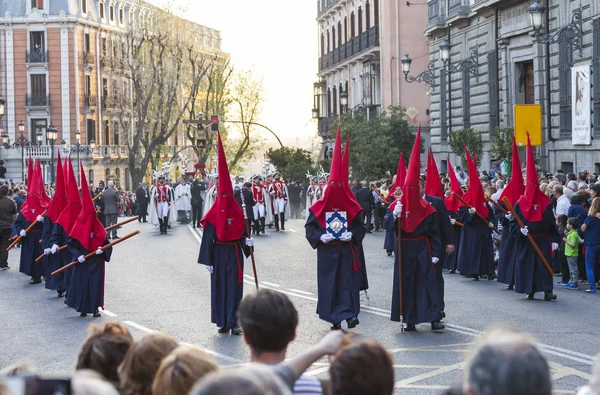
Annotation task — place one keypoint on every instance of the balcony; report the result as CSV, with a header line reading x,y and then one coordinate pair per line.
x,y
325,126
356,45
460,8
327,4
106,61
37,100
37,57
90,101
89,58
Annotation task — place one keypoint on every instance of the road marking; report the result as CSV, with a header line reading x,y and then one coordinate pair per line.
x,y
271,284
426,375
291,230
109,313
195,234
211,352
249,277
138,326
300,292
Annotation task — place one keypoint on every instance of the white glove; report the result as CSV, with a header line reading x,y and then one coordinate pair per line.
x,y
435,260
525,231
47,251
346,236
508,216
491,225
54,248
81,258
99,251
22,233
554,246
397,210
39,218
249,242
210,269
326,238
472,210
452,221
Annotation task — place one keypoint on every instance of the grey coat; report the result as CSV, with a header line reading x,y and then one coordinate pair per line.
x,y
110,197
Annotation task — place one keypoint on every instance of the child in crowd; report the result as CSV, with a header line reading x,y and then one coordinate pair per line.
x,y
561,265
571,253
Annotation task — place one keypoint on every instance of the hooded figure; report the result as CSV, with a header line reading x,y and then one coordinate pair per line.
x,y
421,245
335,229
389,243
476,249
65,221
452,205
224,244
535,210
54,262
32,210
86,290
513,191
433,184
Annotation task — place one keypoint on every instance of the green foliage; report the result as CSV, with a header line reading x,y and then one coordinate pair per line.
x,y
470,138
501,142
375,144
293,163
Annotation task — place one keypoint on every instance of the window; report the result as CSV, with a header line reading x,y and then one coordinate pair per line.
x,y
493,90
328,47
345,29
104,46
101,5
368,15
466,99
376,12
36,42
104,88
121,15
86,42
118,174
352,25
39,4
115,133
38,85
106,133
322,44
333,37
360,20
91,130
565,62
112,13
88,85
107,174
339,34
443,115
84,6
37,124
335,101
91,176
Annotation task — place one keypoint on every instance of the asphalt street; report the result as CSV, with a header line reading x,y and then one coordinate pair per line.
x,y
153,283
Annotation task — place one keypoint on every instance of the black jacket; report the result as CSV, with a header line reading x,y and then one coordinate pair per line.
x,y
365,199
142,197
196,191
448,234
248,199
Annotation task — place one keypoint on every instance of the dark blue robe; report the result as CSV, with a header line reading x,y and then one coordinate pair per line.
x,y
340,271
420,300
86,290
52,262
476,250
59,237
31,248
451,262
507,252
226,281
531,274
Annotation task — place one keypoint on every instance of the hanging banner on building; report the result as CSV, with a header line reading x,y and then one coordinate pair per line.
x,y
528,122
580,98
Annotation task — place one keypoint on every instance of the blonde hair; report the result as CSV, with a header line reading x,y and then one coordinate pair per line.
x,y
181,369
89,382
594,207
142,361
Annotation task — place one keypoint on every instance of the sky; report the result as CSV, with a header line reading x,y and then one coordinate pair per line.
x,y
278,41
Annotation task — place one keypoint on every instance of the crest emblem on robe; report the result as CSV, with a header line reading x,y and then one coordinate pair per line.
x,y
336,223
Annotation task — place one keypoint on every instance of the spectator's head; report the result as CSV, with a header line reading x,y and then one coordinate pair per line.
x,y
505,361
254,379
142,362
571,177
577,200
111,184
101,184
594,207
181,369
561,220
560,177
364,183
247,185
89,382
362,366
582,176
557,191
544,187
4,190
572,185
104,350
573,223
500,184
269,321
595,190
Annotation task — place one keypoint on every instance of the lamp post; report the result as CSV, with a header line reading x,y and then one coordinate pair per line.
x,y
343,101
51,134
80,149
21,142
427,76
573,32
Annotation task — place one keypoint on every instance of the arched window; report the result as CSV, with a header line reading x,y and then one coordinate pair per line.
x,y
335,101
368,15
328,47
90,176
115,133
339,34
329,108
360,20
118,174
333,37
106,175
345,29
322,44
352,25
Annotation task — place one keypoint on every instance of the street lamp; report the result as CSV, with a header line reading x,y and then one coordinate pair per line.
x,y
445,48
573,32
21,142
344,100
38,136
78,149
426,76
51,134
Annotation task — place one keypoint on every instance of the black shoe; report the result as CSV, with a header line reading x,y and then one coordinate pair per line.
x,y
389,252
35,281
194,226
549,296
116,237
437,326
223,330
97,314
236,331
491,277
529,297
452,271
368,231
352,322
410,328
336,327
475,278
61,294
510,287
83,315
107,237
443,315
4,268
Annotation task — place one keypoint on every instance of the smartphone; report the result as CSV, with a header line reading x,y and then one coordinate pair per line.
x,y
34,385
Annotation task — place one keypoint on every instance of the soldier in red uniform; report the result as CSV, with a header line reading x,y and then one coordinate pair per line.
x,y
258,193
278,192
161,199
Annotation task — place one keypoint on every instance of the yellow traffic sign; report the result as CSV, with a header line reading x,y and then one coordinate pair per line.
x,y
528,119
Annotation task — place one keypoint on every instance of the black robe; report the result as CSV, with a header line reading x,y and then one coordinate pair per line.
x,y
451,262
420,299
476,251
52,262
507,253
31,248
340,270
60,238
226,281
531,274
86,290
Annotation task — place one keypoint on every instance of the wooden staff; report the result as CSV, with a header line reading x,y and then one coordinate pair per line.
x,y
97,197
529,237
499,207
398,194
93,253
383,199
485,220
248,230
16,241
39,258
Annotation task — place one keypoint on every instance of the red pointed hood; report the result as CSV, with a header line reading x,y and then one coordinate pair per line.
x,y
30,172
516,186
433,184
59,200
451,202
69,215
43,196
475,195
88,229
336,196
34,204
414,208
346,168
400,175
534,201
225,215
